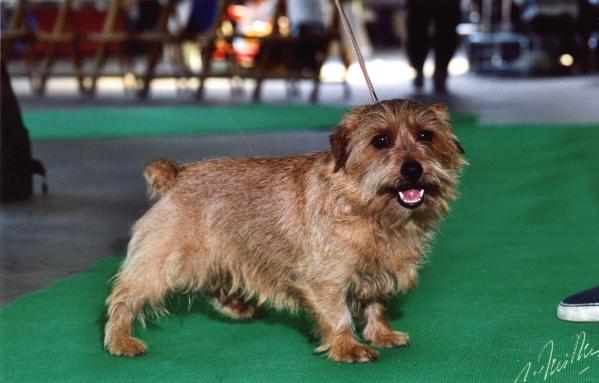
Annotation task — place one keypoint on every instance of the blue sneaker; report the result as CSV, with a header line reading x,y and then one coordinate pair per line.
x,y
580,307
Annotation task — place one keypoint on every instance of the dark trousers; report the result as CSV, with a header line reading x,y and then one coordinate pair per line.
x,y
445,16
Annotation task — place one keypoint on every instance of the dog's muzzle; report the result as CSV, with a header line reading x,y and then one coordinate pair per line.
x,y
411,194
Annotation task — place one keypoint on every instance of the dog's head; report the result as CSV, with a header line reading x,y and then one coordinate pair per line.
x,y
400,156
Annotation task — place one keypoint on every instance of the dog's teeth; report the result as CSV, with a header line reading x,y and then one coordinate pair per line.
x,y
412,195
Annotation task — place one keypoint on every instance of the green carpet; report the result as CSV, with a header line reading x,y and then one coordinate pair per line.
x,y
110,123
524,234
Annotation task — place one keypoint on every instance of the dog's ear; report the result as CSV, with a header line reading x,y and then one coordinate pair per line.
x,y
441,111
339,143
443,114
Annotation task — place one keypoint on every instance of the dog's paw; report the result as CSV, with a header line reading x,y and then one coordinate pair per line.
x,y
390,339
126,346
353,353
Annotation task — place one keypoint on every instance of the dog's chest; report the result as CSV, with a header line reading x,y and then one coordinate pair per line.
x,y
385,270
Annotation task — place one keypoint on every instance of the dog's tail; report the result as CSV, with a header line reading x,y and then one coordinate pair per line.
x,y
160,176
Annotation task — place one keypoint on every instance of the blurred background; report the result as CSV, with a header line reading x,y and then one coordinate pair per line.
x,y
104,86
183,51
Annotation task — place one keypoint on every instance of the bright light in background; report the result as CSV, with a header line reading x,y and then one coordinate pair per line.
x,y
129,80
332,71
260,28
385,70
566,60
381,71
191,53
114,84
459,66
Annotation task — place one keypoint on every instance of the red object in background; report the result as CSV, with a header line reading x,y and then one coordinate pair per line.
x,y
244,50
236,12
84,20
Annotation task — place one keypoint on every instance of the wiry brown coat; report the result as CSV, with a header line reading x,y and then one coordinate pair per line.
x,y
320,231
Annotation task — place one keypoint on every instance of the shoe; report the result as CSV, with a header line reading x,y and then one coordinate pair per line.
x,y
580,307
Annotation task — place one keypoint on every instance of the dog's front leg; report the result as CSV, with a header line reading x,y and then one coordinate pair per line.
x,y
377,330
333,319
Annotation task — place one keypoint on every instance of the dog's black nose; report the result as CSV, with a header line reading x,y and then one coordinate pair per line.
x,y
411,170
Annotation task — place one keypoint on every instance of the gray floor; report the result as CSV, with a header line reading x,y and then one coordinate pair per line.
x,y
97,191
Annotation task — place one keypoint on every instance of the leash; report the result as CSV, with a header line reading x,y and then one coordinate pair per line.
x,y
354,43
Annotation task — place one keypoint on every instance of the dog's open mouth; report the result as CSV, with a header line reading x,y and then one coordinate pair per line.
x,y
411,196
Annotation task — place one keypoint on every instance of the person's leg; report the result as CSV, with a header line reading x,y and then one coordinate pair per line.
x,y
418,37
447,17
580,307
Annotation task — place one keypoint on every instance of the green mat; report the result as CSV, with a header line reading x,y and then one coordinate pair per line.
x,y
104,123
524,234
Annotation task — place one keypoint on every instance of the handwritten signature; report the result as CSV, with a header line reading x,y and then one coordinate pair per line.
x,y
548,365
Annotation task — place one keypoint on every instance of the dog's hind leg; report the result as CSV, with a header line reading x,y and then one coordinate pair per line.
x,y
140,285
129,298
122,311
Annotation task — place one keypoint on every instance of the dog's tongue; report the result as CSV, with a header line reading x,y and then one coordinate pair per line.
x,y
411,195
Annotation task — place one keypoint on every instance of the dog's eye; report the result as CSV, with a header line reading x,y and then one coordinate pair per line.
x,y
382,141
425,135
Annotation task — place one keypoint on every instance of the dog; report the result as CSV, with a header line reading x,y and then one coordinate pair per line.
x,y
335,232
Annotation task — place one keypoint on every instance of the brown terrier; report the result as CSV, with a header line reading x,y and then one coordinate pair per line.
x,y
334,232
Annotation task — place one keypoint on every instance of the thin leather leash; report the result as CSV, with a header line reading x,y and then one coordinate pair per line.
x,y
354,43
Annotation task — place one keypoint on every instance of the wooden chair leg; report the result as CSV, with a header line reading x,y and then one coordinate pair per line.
x,y
90,83
116,7
257,95
206,69
315,90
76,58
156,48
55,37
316,79
261,72
19,32
40,85
153,59
15,31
